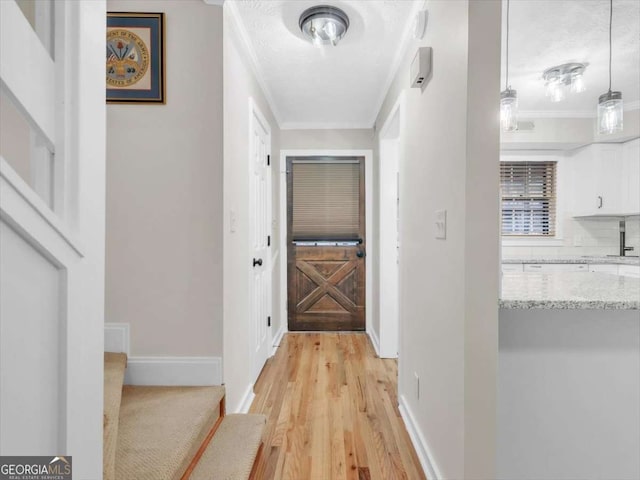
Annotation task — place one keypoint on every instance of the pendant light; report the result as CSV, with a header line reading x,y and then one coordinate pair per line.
x,y
508,97
610,110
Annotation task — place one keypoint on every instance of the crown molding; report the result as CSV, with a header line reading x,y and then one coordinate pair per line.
x,y
628,107
405,43
218,3
325,126
556,114
247,46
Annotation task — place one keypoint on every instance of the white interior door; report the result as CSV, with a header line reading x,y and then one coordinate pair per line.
x,y
260,206
52,212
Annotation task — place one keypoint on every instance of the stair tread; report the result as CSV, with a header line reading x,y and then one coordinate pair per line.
x,y
161,429
234,448
114,366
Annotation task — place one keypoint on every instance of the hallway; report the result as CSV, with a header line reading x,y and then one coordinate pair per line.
x,y
335,416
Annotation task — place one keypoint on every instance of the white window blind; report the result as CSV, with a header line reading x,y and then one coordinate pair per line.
x,y
326,200
528,191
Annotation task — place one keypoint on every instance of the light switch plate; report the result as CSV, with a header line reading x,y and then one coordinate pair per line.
x,y
441,224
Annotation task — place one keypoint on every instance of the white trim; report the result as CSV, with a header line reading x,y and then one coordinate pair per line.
x,y
374,340
38,206
405,43
33,94
591,113
116,338
245,401
218,3
425,454
282,247
389,327
531,242
277,338
325,126
527,114
174,371
245,44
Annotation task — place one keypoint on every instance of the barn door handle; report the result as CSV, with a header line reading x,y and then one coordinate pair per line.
x,y
360,253
257,262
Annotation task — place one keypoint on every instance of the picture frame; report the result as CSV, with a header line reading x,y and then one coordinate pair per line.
x,y
135,57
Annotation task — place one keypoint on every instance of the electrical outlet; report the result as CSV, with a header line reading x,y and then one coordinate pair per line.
x,y
417,382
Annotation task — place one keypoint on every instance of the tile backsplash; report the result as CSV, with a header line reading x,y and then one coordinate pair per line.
x,y
581,236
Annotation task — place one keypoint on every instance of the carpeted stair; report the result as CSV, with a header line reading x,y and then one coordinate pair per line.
x,y
174,433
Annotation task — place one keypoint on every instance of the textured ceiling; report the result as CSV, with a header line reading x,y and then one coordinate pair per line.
x,y
330,86
343,86
544,33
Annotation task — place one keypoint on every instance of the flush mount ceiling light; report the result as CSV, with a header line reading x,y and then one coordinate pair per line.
x,y
610,110
558,80
508,97
324,25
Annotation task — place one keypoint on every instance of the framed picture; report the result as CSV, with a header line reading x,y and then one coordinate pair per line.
x,y
135,57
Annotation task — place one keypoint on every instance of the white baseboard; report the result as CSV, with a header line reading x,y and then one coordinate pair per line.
x,y
116,337
246,401
278,337
374,340
174,371
425,454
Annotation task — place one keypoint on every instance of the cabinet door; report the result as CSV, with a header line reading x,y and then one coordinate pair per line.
x,y
629,271
610,182
511,267
631,167
555,267
581,170
605,268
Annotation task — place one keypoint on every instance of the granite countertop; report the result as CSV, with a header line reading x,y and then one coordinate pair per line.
x,y
569,290
577,259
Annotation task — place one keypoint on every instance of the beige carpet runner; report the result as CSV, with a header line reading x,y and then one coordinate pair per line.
x,y
174,433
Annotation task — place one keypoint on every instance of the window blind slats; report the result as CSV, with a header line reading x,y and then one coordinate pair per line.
x,y
528,191
326,200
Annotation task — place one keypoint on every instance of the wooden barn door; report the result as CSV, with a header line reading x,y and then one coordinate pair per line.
x,y
326,243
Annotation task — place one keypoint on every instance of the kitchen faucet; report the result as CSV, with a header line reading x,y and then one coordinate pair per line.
x,y
623,230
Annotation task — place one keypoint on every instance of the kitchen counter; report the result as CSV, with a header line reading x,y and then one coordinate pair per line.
x,y
595,260
569,290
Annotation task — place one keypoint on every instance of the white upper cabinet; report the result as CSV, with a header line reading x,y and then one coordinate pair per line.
x,y
605,180
631,171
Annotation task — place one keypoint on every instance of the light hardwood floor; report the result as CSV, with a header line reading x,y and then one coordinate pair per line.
x,y
332,412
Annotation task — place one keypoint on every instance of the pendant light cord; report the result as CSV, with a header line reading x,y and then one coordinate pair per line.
x,y
610,27
507,67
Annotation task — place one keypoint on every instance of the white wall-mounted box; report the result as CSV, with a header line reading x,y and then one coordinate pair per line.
x,y
421,67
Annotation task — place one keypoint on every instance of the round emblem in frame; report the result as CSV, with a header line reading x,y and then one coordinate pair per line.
x,y
127,58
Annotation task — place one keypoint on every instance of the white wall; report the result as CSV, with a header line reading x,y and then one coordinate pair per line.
x,y
164,194
569,395
330,139
240,84
449,288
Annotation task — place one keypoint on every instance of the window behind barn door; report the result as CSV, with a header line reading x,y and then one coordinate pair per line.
x,y
528,198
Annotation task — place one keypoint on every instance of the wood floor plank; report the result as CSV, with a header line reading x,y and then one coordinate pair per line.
x,y
332,412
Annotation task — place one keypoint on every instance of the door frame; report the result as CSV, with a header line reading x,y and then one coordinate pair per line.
x,y
256,114
369,218
389,324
